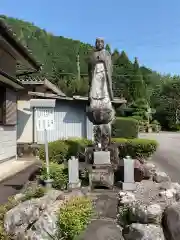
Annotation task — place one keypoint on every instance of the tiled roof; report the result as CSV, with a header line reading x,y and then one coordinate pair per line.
x,y
11,38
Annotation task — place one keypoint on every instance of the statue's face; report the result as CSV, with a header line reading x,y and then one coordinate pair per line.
x,y
99,44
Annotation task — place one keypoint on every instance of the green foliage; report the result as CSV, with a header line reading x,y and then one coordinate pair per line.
x,y
61,150
32,192
125,128
74,217
59,174
76,146
166,100
137,86
58,151
141,148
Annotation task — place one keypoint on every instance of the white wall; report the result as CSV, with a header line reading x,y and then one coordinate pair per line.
x,y
25,121
70,121
7,142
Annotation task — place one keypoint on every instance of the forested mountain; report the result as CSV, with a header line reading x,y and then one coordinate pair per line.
x,y
58,56
138,84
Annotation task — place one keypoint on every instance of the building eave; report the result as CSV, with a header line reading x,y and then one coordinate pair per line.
x,y
10,37
77,98
45,82
10,81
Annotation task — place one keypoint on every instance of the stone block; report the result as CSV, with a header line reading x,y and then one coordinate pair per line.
x,y
102,158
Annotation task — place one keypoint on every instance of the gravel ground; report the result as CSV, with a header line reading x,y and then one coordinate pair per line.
x,y
147,192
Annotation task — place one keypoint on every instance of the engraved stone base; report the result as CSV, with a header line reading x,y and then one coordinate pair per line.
x,y
128,186
101,177
74,185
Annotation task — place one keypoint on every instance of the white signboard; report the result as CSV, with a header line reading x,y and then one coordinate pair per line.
x,y
45,120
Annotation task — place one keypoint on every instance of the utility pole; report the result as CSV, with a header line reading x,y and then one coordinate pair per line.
x,y
78,68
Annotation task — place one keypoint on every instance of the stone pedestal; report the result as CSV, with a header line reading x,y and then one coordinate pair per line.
x,y
74,185
102,173
101,176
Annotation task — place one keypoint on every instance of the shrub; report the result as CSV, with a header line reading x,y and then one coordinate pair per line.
x,y
59,174
125,128
76,146
141,148
74,217
63,149
58,151
36,192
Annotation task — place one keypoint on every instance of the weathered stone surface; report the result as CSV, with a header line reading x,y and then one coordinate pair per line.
x,y
149,170
171,221
102,176
45,227
102,230
138,171
19,218
161,177
126,198
125,203
138,231
146,213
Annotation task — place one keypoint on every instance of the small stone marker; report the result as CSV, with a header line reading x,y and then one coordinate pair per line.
x,y
102,158
128,184
73,173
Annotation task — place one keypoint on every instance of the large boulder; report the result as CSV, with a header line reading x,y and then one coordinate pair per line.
x,y
130,210
46,226
171,221
146,213
137,231
161,177
149,170
18,219
138,171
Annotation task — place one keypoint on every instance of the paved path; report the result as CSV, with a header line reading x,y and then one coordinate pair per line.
x,y
104,226
14,184
167,156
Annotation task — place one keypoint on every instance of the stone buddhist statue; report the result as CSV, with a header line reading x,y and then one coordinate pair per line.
x,y
100,110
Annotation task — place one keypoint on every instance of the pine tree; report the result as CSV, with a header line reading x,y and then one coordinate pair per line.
x,y
137,85
108,48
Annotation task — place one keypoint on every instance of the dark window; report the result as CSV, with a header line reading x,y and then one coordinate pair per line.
x,y
8,106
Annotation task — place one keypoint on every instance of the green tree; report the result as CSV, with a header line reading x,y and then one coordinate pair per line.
x,y
108,48
137,85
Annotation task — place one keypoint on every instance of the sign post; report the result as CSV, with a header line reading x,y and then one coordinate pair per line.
x,y
45,121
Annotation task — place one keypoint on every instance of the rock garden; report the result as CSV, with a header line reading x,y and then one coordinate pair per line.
x,y
38,212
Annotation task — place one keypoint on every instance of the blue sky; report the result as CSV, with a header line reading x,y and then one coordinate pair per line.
x,y
147,29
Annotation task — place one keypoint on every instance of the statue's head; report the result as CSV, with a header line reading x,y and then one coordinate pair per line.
x,y
99,43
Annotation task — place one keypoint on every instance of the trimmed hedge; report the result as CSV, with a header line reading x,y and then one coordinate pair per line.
x,y
125,128
74,217
136,148
59,174
61,150
58,151
76,146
